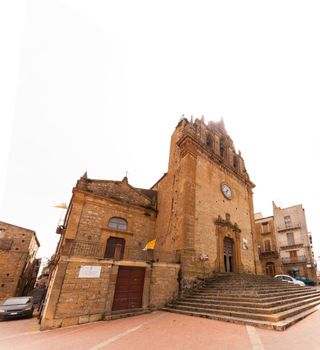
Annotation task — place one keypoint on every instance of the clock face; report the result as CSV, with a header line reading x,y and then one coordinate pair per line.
x,y
226,190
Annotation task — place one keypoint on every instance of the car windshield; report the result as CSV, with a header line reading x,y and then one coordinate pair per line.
x,y
16,301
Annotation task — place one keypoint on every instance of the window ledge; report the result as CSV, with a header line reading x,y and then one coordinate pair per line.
x,y
117,231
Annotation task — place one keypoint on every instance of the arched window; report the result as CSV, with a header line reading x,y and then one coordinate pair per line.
x,y
209,141
222,148
235,162
118,224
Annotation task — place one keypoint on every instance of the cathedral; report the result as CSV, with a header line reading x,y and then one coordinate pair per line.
x,y
125,250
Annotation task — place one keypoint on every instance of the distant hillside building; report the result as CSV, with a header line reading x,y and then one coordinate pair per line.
x,y
284,243
125,249
18,263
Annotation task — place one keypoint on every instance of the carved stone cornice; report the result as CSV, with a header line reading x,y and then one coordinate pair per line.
x,y
227,223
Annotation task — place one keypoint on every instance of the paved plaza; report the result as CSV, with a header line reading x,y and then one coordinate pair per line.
x,y
160,331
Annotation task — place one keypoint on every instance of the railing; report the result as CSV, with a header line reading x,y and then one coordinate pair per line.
x,y
268,254
291,246
296,260
97,250
288,227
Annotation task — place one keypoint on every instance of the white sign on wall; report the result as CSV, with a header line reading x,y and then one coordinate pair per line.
x,y
89,271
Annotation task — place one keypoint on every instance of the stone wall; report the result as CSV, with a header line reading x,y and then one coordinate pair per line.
x,y
72,300
88,222
164,284
18,248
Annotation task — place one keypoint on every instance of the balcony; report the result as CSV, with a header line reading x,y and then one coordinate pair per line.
x,y
292,226
97,251
292,246
295,260
267,254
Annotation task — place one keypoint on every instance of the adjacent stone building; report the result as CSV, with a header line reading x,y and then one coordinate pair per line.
x,y
293,240
199,214
18,263
267,245
284,243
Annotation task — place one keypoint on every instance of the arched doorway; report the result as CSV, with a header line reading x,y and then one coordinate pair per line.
x,y
228,254
270,269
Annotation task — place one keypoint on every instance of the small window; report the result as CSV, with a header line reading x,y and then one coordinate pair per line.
x,y
118,224
209,141
265,228
293,254
235,162
222,148
115,248
290,238
267,246
287,221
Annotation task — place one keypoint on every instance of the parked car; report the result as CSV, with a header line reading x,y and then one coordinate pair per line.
x,y
305,280
289,279
16,307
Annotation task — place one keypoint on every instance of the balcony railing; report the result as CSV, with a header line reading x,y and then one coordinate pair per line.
x,y
96,250
266,254
265,231
291,246
296,260
288,227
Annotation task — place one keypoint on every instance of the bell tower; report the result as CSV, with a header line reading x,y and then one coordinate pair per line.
x,y
205,202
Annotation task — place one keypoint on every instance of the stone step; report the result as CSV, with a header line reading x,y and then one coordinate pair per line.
x,y
278,316
256,309
268,302
250,293
249,287
248,299
278,326
126,313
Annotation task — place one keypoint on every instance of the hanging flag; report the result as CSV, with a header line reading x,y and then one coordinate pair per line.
x,y
150,245
61,205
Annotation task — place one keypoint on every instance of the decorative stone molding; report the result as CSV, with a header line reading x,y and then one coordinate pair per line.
x,y
227,223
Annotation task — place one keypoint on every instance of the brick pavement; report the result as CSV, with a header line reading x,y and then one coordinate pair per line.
x,y
158,331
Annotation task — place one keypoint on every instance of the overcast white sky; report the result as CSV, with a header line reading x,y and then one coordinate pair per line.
x,y
99,86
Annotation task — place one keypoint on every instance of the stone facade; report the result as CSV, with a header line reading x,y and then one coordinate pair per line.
x,y
293,240
267,245
18,263
195,216
284,243
200,213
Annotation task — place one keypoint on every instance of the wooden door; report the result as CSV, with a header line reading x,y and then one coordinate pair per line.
x,y
228,254
129,288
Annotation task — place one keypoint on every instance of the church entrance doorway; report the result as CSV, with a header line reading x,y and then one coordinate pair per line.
x,y
228,254
270,270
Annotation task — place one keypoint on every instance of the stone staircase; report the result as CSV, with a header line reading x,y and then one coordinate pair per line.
x,y
258,301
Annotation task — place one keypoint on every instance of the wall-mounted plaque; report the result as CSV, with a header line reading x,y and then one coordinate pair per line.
x,y
89,271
